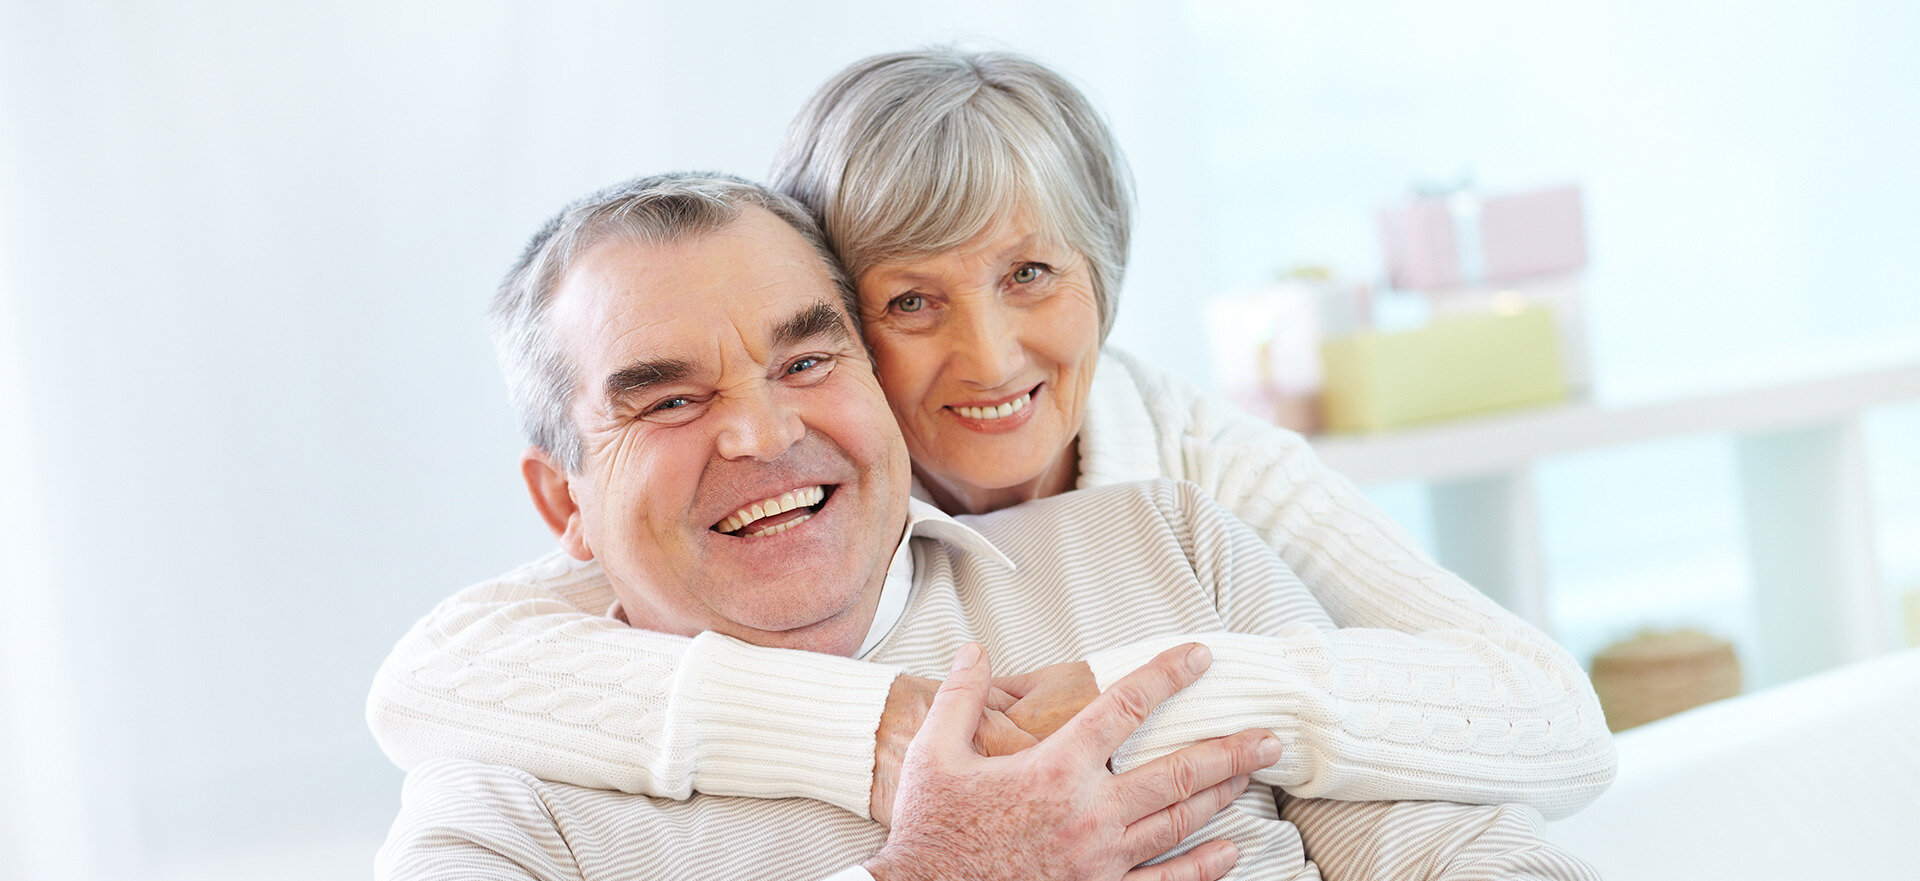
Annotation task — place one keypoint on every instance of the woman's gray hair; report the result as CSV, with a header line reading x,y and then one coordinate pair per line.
x,y
657,210
910,154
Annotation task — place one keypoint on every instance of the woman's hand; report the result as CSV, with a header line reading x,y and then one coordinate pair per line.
x,y
1021,711
1046,698
907,704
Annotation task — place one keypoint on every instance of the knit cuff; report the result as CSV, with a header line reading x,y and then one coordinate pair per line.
x,y
778,723
1111,665
1232,696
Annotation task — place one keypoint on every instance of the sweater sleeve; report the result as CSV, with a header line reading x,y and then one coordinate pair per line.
x,y
515,672
1482,715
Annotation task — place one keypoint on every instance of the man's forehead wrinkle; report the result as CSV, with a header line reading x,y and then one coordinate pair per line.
x,y
635,355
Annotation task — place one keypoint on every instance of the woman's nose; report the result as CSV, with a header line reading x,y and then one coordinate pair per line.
x,y
987,347
756,425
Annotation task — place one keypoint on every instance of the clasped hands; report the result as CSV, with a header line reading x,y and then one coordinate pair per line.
x,y
1020,711
1008,776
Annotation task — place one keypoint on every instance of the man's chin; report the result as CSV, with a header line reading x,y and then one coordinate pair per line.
x,y
835,636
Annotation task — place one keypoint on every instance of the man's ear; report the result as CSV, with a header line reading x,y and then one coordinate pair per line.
x,y
552,492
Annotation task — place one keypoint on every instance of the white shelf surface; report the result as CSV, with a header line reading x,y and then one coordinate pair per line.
x,y
1505,441
1804,481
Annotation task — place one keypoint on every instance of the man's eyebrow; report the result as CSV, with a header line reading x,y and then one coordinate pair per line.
x,y
817,322
639,376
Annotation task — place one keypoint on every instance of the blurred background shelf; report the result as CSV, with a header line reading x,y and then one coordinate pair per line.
x,y
1804,483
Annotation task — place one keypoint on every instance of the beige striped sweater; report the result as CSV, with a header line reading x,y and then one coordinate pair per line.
x,y
1147,565
1464,702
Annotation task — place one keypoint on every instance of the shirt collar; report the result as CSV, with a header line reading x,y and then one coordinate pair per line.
x,y
923,521
926,521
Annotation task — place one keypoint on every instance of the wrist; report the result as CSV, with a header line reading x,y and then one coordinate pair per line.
x,y
896,863
908,698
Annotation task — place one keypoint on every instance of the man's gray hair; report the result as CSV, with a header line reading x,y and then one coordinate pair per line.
x,y
909,154
657,210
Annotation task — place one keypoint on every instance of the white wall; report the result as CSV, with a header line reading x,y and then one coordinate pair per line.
x,y
249,245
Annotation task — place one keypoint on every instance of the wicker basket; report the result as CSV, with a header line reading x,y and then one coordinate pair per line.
x,y
1659,673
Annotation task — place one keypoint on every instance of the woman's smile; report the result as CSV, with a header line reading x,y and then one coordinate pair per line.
x,y
992,416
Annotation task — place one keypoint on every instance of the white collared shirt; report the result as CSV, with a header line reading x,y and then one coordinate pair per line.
x,y
926,521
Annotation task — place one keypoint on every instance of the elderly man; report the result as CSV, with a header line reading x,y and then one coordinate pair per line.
x,y
730,464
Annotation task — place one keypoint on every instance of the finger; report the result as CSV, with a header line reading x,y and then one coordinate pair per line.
x,y
1208,862
998,699
1098,730
1177,775
999,736
1163,830
955,714
1017,686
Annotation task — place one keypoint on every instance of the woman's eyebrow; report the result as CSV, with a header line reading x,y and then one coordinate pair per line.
x,y
820,321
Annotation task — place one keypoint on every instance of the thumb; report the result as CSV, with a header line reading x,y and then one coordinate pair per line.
x,y
961,701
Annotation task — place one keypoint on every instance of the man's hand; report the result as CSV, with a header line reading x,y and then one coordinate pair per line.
x,y
907,704
1054,811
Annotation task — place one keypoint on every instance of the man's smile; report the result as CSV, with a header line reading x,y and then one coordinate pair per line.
x,y
772,516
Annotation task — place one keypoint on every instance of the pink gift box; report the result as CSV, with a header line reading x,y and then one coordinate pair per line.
x,y
1437,242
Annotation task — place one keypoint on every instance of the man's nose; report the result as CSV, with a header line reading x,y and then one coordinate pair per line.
x,y
987,345
756,424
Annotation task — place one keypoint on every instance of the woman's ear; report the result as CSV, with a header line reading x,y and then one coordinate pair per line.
x,y
552,491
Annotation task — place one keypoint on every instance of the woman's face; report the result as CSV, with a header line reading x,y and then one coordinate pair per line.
x,y
986,353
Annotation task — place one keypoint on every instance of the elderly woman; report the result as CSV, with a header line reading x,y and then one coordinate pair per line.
x,y
982,208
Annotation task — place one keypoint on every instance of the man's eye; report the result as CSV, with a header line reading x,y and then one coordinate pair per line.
x,y
1028,273
801,365
909,303
673,403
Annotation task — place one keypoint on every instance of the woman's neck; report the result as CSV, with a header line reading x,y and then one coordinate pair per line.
x,y
954,497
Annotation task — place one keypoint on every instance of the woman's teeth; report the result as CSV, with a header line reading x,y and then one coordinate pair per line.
x,y
1001,412
799,498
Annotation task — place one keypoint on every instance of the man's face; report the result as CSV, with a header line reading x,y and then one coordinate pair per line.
x,y
742,472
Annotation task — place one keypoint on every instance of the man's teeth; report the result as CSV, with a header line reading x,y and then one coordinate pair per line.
x,y
765,508
778,528
1001,412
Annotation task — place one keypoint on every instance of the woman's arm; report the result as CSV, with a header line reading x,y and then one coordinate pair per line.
x,y
1368,713
516,672
1364,568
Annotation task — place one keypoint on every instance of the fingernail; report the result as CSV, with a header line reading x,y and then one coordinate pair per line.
x,y
1268,751
1229,854
969,655
1198,658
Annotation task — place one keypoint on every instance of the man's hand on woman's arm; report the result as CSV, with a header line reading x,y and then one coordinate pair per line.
x,y
1020,710
1054,810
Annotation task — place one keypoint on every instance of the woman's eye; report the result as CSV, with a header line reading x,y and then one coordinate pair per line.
x,y
1028,273
909,303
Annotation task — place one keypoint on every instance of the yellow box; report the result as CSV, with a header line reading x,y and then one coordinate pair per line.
x,y
1458,366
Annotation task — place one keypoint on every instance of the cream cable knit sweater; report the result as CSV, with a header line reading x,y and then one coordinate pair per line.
x,y
1453,698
